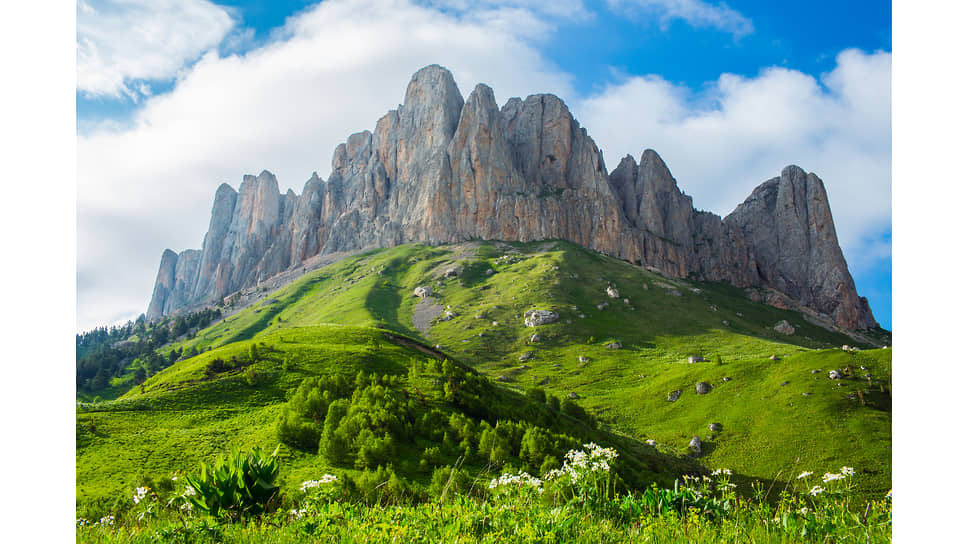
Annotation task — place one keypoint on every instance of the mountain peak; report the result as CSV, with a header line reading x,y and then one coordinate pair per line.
x,y
439,170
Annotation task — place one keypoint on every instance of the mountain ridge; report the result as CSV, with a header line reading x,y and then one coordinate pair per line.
x,y
441,169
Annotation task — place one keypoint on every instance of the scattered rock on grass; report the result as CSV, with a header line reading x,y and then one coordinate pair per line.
x,y
784,327
695,445
582,359
614,345
533,318
423,292
698,359
715,427
673,395
703,387
573,395
611,292
834,375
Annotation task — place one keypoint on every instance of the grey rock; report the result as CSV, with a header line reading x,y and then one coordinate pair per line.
x,y
651,442
697,359
534,338
582,359
726,379
614,345
715,427
534,318
774,358
612,292
703,387
834,375
784,327
526,356
673,293
423,292
673,395
602,306
573,395
695,445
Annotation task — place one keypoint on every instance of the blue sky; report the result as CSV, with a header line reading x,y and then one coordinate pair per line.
x,y
175,97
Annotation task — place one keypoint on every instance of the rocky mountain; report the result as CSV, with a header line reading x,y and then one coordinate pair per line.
x,y
443,169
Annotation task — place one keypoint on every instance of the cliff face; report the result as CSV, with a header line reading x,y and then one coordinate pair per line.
x,y
441,169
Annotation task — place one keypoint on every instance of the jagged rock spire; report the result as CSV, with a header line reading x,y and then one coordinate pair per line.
x,y
439,169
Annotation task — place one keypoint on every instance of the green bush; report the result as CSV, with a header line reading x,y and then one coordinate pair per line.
x,y
236,486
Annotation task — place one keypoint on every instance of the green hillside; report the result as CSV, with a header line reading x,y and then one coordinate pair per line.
x,y
776,417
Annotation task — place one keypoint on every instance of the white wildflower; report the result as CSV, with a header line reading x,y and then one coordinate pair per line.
x,y
189,491
186,507
140,494
816,490
724,471
804,511
309,484
804,474
106,520
847,471
829,477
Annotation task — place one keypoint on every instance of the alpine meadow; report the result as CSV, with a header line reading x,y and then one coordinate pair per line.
x,y
474,330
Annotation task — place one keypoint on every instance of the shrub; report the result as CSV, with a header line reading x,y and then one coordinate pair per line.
x,y
236,486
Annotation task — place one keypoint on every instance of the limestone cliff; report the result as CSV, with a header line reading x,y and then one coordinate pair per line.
x,y
441,169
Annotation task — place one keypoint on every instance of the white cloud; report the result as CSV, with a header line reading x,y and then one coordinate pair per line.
x,y
694,12
283,107
723,142
122,41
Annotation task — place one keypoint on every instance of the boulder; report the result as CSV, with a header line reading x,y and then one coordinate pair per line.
x,y
715,427
698,359
534,318
614,345
695,445
673,395
447,315
503,378
489,272
602,306
774,358
573,395
526,356
582,359
650,442
452,272
423,292
834,375
534,338
726,379
611,292
784,327
703,387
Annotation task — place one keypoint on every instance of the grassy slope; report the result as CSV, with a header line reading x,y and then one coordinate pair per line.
x,y
183,416
767,427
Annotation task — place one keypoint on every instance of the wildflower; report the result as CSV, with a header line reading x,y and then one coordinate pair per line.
x,y
725,471
847,471
326,479
140,494
804,474
81,522
106,520
829,477
816,490
804,510
889,492
186,507
189,491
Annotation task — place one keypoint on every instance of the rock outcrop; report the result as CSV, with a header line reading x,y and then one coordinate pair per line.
x,y
441,169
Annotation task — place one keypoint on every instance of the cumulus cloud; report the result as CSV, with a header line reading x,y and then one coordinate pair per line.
x,y
694,12
120,42
722,142
331,71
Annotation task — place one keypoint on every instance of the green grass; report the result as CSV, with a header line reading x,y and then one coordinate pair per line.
x,y
327,322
